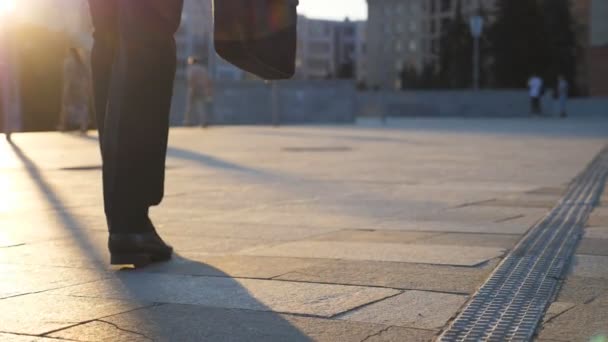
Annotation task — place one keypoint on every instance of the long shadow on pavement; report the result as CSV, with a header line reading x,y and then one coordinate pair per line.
x,y
168,307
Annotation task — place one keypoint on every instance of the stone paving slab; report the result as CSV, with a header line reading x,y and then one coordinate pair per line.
x,y
382,236
396,275
426,254
187,323
596,233
41,278
580,290
233,266
598,219
515,226
24,338
89,249
556,309
590,266
224,196
277,231
580,323
593,247
40,313
524,201
478,240
399,334
321,300
425,310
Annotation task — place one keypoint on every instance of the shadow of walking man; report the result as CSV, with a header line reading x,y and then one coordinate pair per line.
x,y
167,305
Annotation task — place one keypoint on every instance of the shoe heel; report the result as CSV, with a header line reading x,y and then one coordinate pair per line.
x,y
137,260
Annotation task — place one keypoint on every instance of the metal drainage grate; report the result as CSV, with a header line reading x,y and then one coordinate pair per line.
x,y
510,305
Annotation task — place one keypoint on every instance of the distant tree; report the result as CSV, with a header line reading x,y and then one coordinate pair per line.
x,y
455,55
519,42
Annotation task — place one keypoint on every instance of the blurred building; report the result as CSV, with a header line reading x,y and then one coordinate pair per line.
x,y
592,34
328,49
407,33
195,38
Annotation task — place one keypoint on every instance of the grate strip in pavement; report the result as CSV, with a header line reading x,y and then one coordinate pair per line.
x,y
512,302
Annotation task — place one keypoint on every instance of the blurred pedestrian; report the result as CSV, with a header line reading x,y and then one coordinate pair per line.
x,y
563,88
76,92
134,62
535,87
10,99
200,93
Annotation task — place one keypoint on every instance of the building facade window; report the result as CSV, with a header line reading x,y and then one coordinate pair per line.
x,y
413,45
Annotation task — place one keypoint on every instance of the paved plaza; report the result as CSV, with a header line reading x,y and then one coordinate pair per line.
x,y
304,233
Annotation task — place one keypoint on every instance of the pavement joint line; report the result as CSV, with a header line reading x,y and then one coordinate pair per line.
x,y
472,204
125,330
37,336
559,314
511,218
54,289
338,315
46,334
378,333
511,303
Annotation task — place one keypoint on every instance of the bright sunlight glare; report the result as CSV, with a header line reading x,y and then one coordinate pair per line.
x,y
7,7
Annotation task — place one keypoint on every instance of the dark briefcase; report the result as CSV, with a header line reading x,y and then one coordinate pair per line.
x,y
258,36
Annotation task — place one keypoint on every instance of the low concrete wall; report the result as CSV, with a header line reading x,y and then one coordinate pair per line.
x,y
338,102
250,102
444,103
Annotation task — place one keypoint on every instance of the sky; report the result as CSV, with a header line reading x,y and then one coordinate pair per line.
x,y
333,9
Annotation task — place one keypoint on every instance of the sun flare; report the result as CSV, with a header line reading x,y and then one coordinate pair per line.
x,y
7,7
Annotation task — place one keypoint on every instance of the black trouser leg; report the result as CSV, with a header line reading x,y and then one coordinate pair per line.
x,y
137,103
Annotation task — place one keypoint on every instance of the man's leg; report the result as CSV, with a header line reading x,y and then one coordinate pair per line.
x,y
137,118
105,22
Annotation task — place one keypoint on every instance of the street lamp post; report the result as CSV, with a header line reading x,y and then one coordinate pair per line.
x,y
476,31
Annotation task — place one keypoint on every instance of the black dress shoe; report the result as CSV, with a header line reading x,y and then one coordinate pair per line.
x,y
138,249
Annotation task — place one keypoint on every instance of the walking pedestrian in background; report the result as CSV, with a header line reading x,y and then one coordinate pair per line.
x,y
563,89
200,93
10,98
76,92
535,87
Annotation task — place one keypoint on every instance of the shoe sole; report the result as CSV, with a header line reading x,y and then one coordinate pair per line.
x,y
137,260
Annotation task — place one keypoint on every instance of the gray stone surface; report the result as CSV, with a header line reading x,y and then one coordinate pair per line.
x,y
425,310
233,266
233,189
525,201
597,233
581,290
477,240
556,309
23,279
399,334
386,236
196,323
396,275
590,266
598,220
24,338
261,295
580,323
424,254
40,313
593,247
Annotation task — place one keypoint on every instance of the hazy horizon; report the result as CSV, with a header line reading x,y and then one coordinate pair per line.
x,y
337,10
